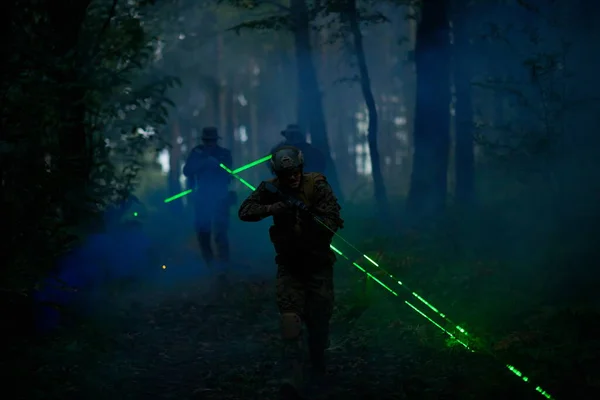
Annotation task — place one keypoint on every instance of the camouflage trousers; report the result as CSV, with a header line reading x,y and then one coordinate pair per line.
x,y
311,297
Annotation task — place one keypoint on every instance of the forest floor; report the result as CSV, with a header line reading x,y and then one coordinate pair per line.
x,y
185,341
179,346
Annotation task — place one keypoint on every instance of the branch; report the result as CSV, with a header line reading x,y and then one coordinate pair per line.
x,y
274,22
274,3
250,4
111,15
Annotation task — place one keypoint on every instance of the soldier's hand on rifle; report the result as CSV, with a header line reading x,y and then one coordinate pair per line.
x,y
278,208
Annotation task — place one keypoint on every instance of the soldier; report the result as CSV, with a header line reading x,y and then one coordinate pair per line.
x,y
211,196
314,160
304,260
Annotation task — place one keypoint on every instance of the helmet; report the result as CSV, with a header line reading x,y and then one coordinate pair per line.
x,y
286,159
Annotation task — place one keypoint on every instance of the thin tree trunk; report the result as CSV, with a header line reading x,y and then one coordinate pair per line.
x,y
310,104
254,137
175,163
365,85
75,158
428,187
464,150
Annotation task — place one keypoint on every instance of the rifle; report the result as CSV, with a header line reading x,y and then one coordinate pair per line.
x,y
298,204
291,200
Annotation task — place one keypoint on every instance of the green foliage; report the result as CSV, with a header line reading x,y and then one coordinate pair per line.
x,y
64,93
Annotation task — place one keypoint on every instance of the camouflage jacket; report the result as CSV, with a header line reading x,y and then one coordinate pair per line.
x,y
313,238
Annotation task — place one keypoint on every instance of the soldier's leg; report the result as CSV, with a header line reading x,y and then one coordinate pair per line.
x,y
221,226
202,225
319,308
290,301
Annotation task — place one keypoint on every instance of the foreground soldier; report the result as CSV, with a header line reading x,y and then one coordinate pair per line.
x,y
304,259
211,198
314,160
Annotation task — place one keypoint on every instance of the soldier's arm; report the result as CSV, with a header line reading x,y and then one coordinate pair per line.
x,y
191,164
256,206
190,169
228,161
227,158
326,205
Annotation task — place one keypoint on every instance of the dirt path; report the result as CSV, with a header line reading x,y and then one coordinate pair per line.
x,y
171,341
175,344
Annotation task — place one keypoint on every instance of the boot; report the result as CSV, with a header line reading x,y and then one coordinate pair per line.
x,y
206,248
292,371
222,243
317,384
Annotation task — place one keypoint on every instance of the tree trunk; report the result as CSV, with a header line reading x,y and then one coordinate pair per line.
x,y
365,85
75,158
175,163
464,150
254,138
428,186
310,104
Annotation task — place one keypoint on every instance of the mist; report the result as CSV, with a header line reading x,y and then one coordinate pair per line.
x,y
460,142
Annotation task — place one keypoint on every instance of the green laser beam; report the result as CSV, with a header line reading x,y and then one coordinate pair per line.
x,y
414,294
177,196
252,164
235,171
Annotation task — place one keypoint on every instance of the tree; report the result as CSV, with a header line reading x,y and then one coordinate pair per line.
x,y
428,187
297,19
68,86
463,73
352,15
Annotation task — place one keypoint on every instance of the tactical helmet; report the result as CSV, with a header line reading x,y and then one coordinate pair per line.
x,y
286,159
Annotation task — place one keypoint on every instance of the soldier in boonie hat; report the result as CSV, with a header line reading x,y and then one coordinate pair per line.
x,y
210,134
211,198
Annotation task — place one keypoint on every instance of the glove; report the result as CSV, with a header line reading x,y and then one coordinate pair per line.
x,y
297,230
277,208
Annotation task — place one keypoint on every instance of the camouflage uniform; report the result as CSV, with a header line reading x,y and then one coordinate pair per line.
x,y
211,200
305,266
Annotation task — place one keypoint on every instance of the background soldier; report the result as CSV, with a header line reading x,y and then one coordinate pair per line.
x,y
304,259
314,160
211,197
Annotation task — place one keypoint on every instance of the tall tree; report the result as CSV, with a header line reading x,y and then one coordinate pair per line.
x,y
463,74
297,19
353,18
74,141
428,187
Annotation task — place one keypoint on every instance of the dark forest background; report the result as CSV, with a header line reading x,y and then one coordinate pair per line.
x,y
462,140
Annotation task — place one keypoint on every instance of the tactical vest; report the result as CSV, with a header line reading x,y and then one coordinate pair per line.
x,y
307,193
287,252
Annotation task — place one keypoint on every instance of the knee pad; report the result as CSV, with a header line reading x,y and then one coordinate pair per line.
x,y
291,325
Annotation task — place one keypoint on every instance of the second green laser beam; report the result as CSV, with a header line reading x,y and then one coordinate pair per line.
x,y
235,171
252,164
177,196
431,307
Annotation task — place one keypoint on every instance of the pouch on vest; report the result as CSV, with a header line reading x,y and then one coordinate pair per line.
x,y
279,240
